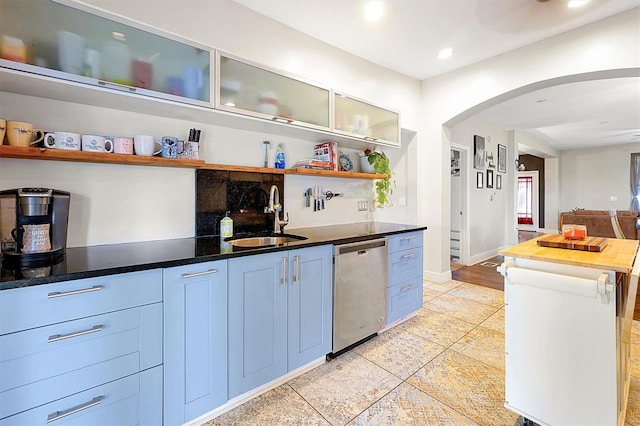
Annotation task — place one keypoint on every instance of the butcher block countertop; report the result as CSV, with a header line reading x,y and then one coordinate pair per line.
x,y
617,255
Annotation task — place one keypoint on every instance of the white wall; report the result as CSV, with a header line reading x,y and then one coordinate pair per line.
x,y
589,177
115,203
609,44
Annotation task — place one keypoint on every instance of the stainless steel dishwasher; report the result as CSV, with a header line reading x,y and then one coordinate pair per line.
x,y
359,292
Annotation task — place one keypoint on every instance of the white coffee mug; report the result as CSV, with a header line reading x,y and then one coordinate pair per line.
x,y
94,143
62,140
70,52
146,145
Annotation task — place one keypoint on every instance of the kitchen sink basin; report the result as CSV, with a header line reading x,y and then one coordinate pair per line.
x,y
265,241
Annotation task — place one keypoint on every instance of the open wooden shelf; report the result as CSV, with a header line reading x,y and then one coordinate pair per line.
x,y
7,151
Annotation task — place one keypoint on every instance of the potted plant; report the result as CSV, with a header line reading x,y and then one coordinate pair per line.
x,y
377,162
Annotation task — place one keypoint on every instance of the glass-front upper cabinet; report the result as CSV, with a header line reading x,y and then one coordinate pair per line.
x,y
254,90
70,41
355,117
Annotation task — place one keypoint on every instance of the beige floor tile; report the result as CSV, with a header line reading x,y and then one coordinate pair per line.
x,y
484,295
406,405
635,333
343,388
462,309
439,328
279,406
441,287
635,360
633,404
484,345
400,352
469,387
429,294
495,321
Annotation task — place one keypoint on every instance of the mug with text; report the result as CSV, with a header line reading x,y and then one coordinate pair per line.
x,y
62,140
94,143
123,145
146,145
20,133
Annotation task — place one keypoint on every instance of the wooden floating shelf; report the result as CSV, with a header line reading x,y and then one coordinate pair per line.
x,y
7,151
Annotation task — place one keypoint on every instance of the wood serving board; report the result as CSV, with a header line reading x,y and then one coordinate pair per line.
x,y
558,241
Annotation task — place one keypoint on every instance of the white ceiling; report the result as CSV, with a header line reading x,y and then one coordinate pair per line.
x,y
411,33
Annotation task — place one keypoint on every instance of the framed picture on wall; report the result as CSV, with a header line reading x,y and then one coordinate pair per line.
x,y
489,178
498,181
502,159
478,152
479,180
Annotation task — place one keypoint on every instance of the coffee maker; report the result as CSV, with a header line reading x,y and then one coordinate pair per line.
x,y
33,225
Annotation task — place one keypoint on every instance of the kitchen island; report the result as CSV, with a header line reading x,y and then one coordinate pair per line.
x,y
568,321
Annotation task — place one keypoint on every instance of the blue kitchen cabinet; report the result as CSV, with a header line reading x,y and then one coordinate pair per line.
x,y
279,314
404,280
195,340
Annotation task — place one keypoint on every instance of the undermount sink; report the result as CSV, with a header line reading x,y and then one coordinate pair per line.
x,y
264,241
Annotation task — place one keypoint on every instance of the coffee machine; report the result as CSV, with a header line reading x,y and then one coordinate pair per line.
x,y
33,225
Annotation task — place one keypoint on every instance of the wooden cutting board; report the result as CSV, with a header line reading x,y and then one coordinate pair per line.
x,y
558,241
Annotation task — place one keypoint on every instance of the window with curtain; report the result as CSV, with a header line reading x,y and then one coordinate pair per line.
x,y
525,200
635,181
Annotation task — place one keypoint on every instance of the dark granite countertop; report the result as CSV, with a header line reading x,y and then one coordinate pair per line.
x,y
94,261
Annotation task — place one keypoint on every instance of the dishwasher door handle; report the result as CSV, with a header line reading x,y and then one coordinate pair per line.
x,y
363,252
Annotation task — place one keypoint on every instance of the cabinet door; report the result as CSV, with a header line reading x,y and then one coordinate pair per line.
x,y
310,305
250,89
257,320
362,119
195,339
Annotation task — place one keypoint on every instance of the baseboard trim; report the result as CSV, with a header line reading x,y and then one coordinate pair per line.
x,y
435,277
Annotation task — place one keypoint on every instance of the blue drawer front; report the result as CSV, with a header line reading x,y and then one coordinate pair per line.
x,y
404,265
53,303
404,299
132,400
404,241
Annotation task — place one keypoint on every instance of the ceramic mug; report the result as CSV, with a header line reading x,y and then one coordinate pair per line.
x,y
3,130
62,140
190,151
123,145
169,147
20,133
94,143
146,145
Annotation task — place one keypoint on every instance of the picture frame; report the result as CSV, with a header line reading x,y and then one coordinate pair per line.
x,y
479,154
489,178
480,180
498,181
502,158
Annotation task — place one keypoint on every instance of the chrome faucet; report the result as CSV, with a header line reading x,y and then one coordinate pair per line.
x,y
275,207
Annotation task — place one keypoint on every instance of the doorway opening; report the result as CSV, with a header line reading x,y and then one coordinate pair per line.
x,y
527,201
458,238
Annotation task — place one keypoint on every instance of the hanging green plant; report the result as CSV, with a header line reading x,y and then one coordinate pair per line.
x,y
384,186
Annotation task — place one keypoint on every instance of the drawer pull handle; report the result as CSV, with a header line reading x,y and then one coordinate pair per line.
x,y
198,274
407,288
57,337
282,119
72,292
408,238
60,414
116,86
408,256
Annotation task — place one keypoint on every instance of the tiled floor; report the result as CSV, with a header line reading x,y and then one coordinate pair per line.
x,y
443,367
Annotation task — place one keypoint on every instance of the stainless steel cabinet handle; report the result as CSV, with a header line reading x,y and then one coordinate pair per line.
x,y
369,138
117,86
408,238
198,274
408,256
55,294
57,337
60,414
284,119
407,288
283,280
296,268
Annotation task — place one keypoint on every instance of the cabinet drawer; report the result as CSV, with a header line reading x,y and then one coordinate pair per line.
x,y
404,265
47,363
30,307
404,241
132,400
404,299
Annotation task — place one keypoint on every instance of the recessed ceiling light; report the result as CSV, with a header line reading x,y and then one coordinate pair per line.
x,y
445,53
374,10
577,3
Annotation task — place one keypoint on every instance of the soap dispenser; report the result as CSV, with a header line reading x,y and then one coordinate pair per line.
x,y
226,226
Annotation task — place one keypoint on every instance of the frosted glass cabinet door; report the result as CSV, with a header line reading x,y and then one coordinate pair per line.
x,y
359,118
91,47
250,89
